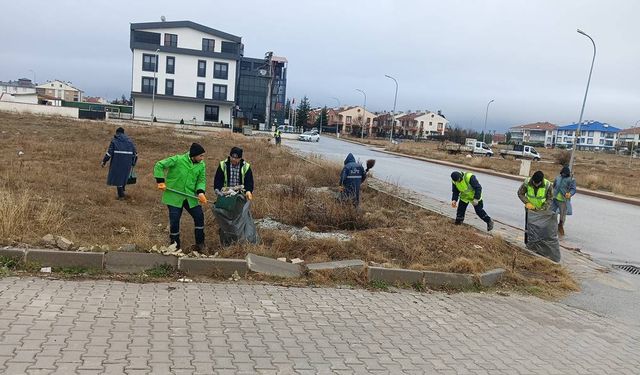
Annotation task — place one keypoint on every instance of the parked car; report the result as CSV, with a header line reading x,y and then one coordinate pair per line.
x,y
310,136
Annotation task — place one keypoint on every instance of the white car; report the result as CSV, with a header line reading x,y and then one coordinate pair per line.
x,y
309,137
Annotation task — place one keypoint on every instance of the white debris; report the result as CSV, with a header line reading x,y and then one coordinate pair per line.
x,y
234,276
477,246
184,280
45,269
300,233
282,259
297,260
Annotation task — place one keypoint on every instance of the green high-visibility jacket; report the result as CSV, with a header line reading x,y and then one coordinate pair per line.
x,y
467,192
182,175
537,198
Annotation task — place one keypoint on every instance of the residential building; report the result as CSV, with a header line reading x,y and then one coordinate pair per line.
x,y
498,138
184,71
21,86
253,87
543,133
351,120
594,135
628,136
60,90
431,123
332,120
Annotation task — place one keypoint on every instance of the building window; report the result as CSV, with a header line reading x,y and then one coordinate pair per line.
x,y
211,113
590,141
602,141
245,65
170,40
171,65
202,68
230,47
148,85
220,70
168,87
590,134
431,122
219,92
348,119
149,63
208,44
200,90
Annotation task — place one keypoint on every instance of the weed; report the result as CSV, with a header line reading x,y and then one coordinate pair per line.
x,y
77,271
160,271
10,263
379,285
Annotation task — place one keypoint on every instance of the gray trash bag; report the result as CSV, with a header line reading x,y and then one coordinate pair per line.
x,y
233,215
542,234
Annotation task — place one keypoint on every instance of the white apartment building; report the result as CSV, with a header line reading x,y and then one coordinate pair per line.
x,y
594,135
20,91
628,136
431,123
192,69
540,132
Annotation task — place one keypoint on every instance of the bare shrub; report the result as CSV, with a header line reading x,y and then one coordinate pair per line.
x,y
563,157
14,209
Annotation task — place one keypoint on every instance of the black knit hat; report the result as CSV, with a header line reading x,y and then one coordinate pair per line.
x,y
120,130
456,176
537,177
196,150
565,172
236,152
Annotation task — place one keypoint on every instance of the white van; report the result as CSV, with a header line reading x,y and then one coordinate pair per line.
x,y
287,129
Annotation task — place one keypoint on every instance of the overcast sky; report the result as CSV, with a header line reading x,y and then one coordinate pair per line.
x,y
452,55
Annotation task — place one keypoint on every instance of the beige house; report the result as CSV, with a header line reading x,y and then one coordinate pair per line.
x,y
431,123
353,118
628,136
60,90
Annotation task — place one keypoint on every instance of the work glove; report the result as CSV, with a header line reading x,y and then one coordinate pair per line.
x,y
529,206
202,198
567,195
102,164
249,195
454,204
341,189
475,202
162,186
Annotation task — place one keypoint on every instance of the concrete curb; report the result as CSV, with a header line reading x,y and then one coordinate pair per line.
x,y
213,267
433,278
354,264
593,193
18,254
273,267
55,258
132,262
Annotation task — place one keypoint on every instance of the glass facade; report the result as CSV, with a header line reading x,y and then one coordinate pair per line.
x,y
253,91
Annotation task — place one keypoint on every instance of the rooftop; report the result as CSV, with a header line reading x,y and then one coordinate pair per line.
x,y
187,24
536,126
630,131
592,126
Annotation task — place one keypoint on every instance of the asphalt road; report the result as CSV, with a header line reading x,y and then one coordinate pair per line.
x,y
607,230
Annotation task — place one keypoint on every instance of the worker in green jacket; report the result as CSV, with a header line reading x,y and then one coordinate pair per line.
x,y
183,186
536,192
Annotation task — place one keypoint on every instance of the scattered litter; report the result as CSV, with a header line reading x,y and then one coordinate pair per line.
x,y
297,260
282,259
20,153
45,269
234,276
184,280
122,230
504,294
300,233
477,246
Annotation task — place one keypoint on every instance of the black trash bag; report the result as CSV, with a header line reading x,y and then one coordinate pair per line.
x,y
233,215
542,234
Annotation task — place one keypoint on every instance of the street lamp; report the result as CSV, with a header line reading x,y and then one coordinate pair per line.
x,y
584,101
484,130
337,123
395,99
364,112
153,91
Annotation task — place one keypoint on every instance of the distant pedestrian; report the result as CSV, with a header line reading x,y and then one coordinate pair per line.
x,y
352,176
536,192
123,155
564,187
277,135
466,188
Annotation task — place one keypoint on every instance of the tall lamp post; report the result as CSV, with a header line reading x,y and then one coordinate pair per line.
x,y
395,99
337,124
364,113
153,90
486,115
584,101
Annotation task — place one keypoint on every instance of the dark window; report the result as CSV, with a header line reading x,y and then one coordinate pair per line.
x,y
230,47
170,40
149,63
146,37
211,113
220,70
219,92
208,44
171,64
168,87
148,86
200,90
202,68
245,65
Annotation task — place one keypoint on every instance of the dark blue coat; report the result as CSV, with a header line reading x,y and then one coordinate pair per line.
x,y
352,176
123,155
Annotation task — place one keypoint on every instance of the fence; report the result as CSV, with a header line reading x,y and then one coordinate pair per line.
x,y
39,109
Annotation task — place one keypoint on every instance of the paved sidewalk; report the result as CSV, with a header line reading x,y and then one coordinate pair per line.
x,y
105,327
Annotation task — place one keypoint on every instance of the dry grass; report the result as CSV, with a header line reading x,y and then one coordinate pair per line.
x,y
58,187
593,170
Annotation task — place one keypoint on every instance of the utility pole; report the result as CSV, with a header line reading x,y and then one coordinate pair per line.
x,y
153,91
268,56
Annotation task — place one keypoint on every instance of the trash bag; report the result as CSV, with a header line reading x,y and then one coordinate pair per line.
x,y
542,234
233,215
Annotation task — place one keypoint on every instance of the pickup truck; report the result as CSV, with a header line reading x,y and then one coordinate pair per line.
x,y
521,152
471,146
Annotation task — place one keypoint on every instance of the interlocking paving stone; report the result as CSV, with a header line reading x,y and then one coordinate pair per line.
x,y
108,327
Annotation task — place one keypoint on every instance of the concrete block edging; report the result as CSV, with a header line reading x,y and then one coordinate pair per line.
x,y
433,278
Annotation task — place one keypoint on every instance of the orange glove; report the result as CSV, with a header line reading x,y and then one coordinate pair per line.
x,y
162,186
202,198
454,204
567,195
341,188
529,206
249,195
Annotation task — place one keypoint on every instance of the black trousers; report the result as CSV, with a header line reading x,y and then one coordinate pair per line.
x,y
462,209
120,190
174,222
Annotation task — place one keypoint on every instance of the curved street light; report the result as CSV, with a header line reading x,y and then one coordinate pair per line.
x,y
393,113
337,124
584,101
364,113
484,130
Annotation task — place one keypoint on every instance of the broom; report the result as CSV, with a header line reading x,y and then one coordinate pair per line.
x,y
370,164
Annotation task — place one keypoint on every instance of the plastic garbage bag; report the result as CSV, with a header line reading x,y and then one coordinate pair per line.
x,y
542,234
233,214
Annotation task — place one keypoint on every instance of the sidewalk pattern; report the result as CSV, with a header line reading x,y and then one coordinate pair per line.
x,y
107,327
